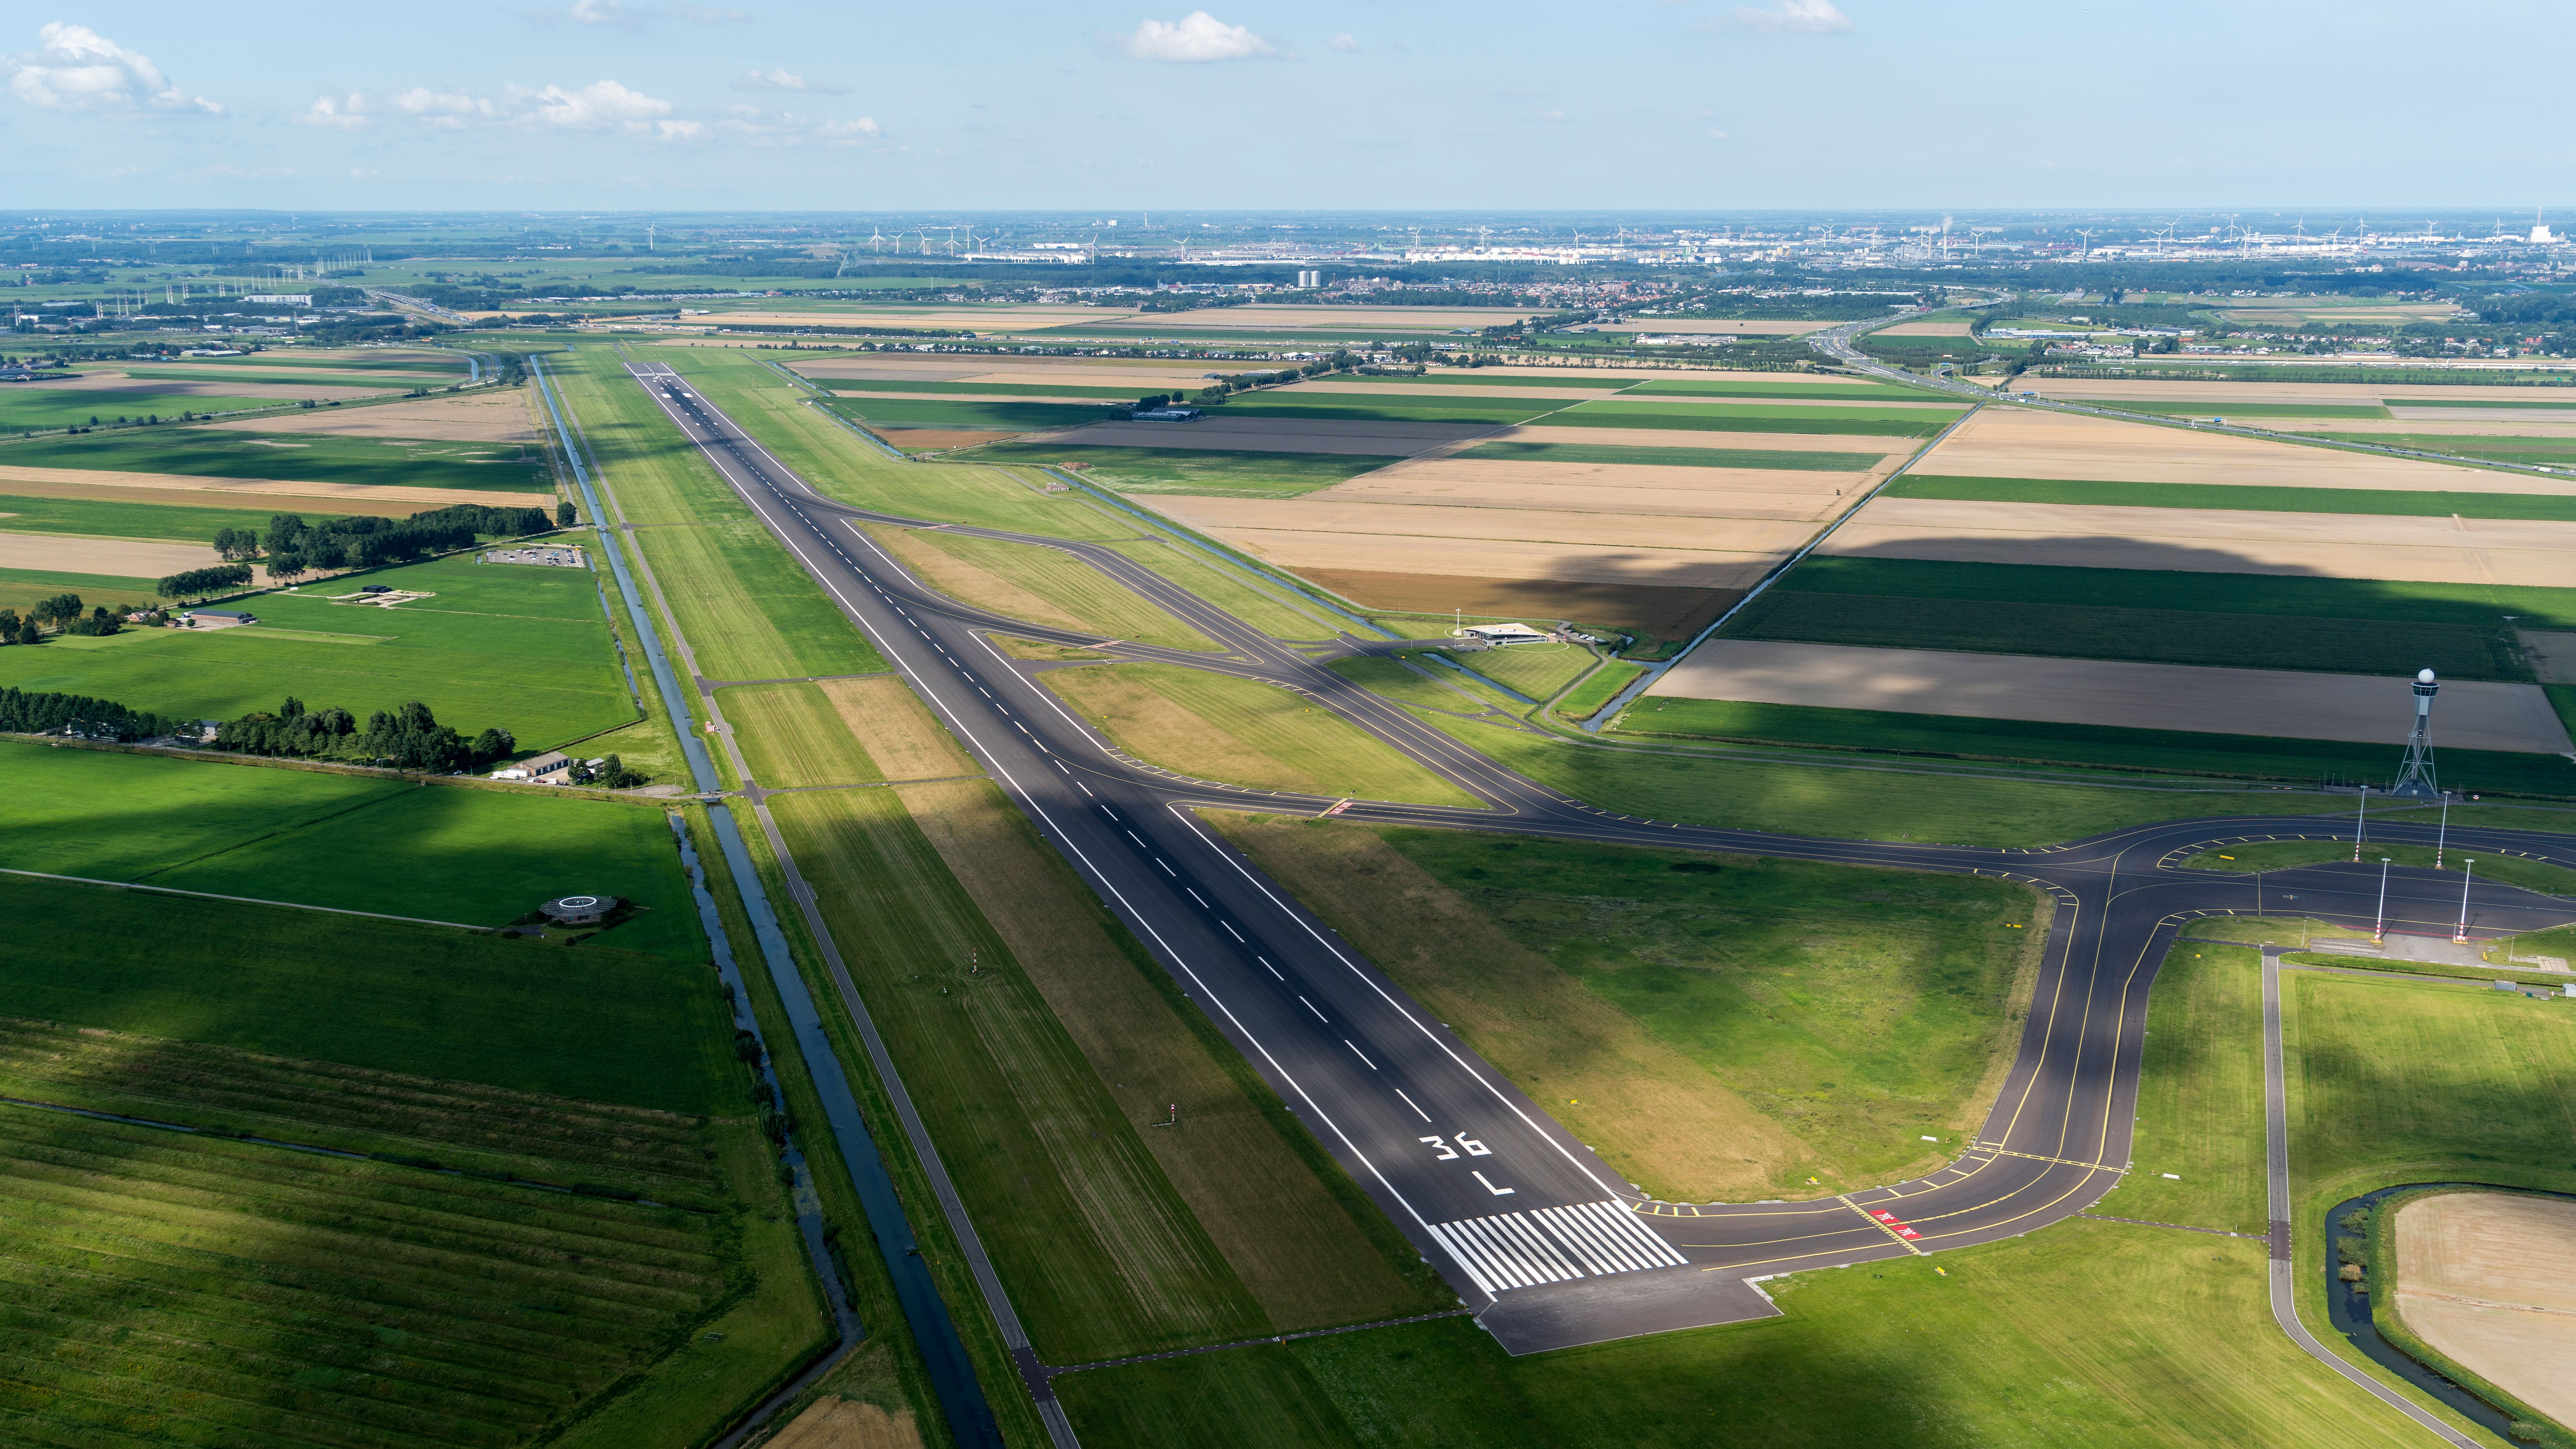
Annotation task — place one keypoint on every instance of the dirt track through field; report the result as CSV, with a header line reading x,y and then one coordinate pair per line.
x,y
2324,545
2021,443
2290,704
495,415
2483,1277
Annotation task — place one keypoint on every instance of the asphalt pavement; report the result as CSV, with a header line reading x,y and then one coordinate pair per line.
x,y
1539,1235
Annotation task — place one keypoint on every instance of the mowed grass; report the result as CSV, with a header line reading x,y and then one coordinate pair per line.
x,y
1886,422
475,857
2159,636
2255,409
1755,387
21,589
1537,670
293,457
45,408
1264,609
107,518
594,1022
2182,1353
195,1288
1242,732
1101,1257
1850,1010
1672,457
1840,803
524,649
1038,585
972,389
2200,1094
2187,752
791,735
1218,471
1306,1244
748,608
2546,452
998,417
2531,875
2238,496
1396,407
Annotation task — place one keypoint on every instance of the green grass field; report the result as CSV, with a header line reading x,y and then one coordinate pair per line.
x,y
1262,608
749,609
1757,387
1729,418
2200,1094
1807,799
999,575
25,408
2162,636
971,389
20,588
477,857
1672,457
1101,1256
1857,1009
1218,727
2491,404
526,649
594,1022
294,376
2257,757
1360,407
2267,594
108,518
2532,875
2254,409
1387,677
2547,452
1596,693
1191,470
293,457
2257,497
210,1290
1537,670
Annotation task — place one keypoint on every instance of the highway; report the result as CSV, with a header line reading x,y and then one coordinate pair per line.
x,y
1544,1239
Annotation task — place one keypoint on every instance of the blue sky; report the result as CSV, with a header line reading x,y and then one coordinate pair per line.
x,y
1403,104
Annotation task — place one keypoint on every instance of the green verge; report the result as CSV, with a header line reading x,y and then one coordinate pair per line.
x,y
2237,496
524,649
2492,404
291,457
2161,636
602,1023
1537,670
2255,409
1673,457
1594,694
2547,452
1802,798
1387,677
111,518
1718,418
749,610
1218,471
1230,591
2181,752
2268,594
1102,1257
1071,585
2200,1094
2531,875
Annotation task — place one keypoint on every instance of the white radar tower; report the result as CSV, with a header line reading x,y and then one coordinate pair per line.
x,y
2416,780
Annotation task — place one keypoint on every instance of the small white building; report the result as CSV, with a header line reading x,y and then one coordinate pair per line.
x,y
1506,634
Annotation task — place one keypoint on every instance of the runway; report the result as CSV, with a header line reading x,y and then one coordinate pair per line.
x,y
1545,1240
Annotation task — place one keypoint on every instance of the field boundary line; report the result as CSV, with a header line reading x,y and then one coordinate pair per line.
x,y
244,900
1053,1372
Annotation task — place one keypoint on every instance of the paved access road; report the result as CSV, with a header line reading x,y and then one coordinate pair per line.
x,y
1549,1242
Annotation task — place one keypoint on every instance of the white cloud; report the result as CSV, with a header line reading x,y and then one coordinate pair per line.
x,y
613,13
1807,17
1717,135
362,173
344,113
783,80
599,104
1197,36
1547,115
785,128
1343,43
77,69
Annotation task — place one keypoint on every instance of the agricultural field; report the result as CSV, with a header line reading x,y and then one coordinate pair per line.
x,y
68,512
476,857
1212,726
1704,1026
2460,1258
1189,470
522,649
485,415
225,454
21,589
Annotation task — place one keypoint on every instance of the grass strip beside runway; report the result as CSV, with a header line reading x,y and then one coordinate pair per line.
x,y
2531,875
2200,1094
1243,732
1224,472
1038,584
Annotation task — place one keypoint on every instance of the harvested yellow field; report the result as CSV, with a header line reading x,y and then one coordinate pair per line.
x,y
489,415
215,387
2485,423
1259,318
1924,329
942,319
134,558
1325,512
229,493
1375,388
2482,1277
2362,709
1277,435
1693,438
1605,488
2344,394
2524,552
1410,554
2011,442
897,729
836,1423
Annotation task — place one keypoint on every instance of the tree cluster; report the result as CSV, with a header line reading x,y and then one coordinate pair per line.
x,y
198,583
410,738
23,712
294,547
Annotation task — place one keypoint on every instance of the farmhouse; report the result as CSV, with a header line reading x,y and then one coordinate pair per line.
x,y
220,618
551,768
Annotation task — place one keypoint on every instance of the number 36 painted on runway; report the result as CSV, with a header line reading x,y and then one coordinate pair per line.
x,y
1446,1154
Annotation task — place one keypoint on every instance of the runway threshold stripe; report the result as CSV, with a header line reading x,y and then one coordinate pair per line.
x,y
1474,1269
1591,1244
1479,1256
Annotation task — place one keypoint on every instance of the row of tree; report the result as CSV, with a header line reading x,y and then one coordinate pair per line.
x,y
62,613
293,547
409,738
25,712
